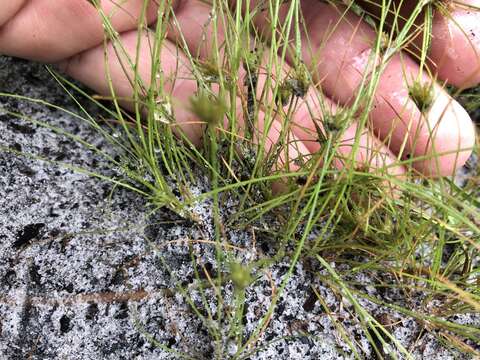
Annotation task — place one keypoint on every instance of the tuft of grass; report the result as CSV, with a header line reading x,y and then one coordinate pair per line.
x,y
422,244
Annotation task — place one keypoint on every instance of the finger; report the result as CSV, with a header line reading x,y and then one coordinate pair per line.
x,y
194,25
337,48
96,68
454,53
50,31
455,49
9,9
179,83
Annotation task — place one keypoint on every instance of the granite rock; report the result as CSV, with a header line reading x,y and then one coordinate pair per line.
x,y
86,272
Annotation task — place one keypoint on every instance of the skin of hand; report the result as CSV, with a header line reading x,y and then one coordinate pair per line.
x,y
70,34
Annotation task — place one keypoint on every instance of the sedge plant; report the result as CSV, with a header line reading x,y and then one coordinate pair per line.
x,y
422,240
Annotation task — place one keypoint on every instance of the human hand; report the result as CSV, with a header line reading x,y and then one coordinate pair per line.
x,y
336,49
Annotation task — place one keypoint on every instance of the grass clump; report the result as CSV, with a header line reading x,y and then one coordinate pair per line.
x,y
343,226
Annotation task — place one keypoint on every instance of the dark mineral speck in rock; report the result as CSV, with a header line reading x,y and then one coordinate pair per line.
x,y
26,170
69,288
16,147
10,277
23,129
92,312
27,234
122,313
35,276
118,278
309,303
65,325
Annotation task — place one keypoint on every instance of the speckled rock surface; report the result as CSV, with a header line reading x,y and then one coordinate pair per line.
x,y
85,273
